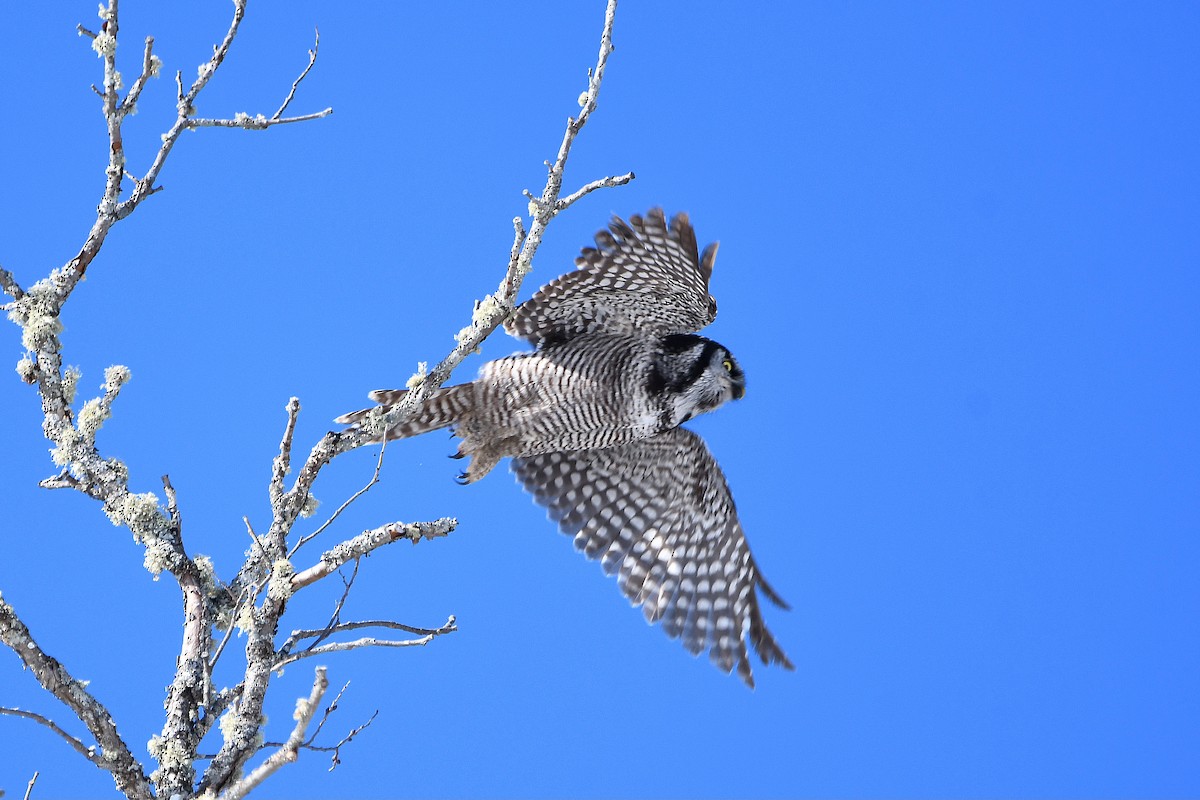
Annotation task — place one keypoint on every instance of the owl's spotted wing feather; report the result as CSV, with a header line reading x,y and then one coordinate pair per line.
x,y
659,514
641,277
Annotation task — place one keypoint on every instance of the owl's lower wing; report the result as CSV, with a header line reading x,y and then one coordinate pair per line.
x,y
643,276
659,514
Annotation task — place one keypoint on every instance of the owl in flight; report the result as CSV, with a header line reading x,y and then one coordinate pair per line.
x,y
591,419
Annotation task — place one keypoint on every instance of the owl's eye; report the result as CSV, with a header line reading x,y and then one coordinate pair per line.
x,y
728,365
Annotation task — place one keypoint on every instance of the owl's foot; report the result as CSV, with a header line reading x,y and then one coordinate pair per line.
x,y
482,462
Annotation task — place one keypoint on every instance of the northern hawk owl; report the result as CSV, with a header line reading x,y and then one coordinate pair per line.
x,y
591,421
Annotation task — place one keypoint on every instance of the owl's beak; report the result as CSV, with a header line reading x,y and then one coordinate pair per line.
x,y
739,391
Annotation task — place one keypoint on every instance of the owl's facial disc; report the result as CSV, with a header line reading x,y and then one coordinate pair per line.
x,y
734,375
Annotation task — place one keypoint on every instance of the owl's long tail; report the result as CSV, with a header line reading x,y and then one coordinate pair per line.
x,y
441,409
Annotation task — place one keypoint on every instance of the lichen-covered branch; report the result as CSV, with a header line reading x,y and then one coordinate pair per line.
x,y
369,540
256,123
254,602
37,311
491,312
286,506
55,679
186,110
175,748
270,563
306,709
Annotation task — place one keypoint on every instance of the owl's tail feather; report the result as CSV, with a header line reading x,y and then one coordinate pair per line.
x,y
441,409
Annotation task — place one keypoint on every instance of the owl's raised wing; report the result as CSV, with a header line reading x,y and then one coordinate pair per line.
x,y
642,276
659,514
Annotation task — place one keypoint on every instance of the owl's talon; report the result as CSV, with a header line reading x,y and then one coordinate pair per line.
x,y
462,479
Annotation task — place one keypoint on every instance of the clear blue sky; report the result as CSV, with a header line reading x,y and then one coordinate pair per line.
x,y
960,263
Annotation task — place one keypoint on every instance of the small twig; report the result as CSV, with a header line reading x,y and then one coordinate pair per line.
x,y
32,781
10,286
237,609
283,462
507,288
340,627
347,584
63,480
172,504
367,541
87,752
336,626
374,480
325,715
349,737
310,744
256,123
366,641
603,183
135,91
262,551
312,59
548,205
290,751
335,647
335,618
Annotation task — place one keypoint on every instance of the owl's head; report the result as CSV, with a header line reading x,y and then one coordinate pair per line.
x,y
700,374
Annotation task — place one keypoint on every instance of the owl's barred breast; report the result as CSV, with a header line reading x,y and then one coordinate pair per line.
x,y
585,393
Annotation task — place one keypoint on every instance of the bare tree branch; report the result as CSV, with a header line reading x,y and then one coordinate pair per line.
x,y
150,68
602,183
192,685
494,309
256,599
285,652
37,311
345,740
369,540
282,464
55,679
374,480
10,287
312,59
335,618
336,758
326,714
242,599
369,641
290,751
255,123
87,752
